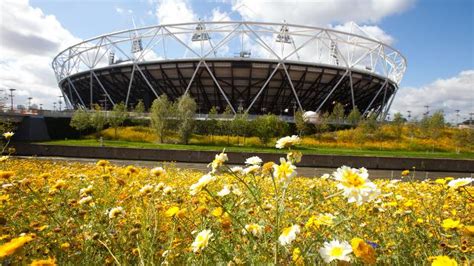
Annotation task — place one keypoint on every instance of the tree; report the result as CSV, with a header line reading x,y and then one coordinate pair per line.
x,y
354,116
98,119
300,123
398,122
337,115
186,109
211,122
159,113
240,126
269,126
80,120
140,107
436,124
117,116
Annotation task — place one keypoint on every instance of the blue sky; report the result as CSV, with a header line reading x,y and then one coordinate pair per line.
x,y
436,36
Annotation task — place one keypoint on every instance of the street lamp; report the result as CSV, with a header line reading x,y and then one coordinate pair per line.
x,y
29,102
54,106
11,97
59,102
457,116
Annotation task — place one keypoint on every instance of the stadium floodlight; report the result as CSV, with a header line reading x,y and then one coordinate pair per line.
x,y
334,53
11,96
284,36
111,58
136,44
200,33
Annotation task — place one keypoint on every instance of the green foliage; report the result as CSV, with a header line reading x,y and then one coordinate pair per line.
x,y
269,126
117,116
6,126
337,114
186,109
140,107
98,119
300,123
159,114
354,116
241,126
81,119
398,122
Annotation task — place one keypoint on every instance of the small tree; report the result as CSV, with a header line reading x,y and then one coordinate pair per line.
x,y
212,124
98,119
269,126
354,116
300,123
241,126
159,113
186,109
337,116
436,124
117,116
224,124
140,107
80,120
398,122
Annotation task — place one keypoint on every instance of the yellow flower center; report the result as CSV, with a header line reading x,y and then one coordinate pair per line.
x,y
286,231
336,252
354,180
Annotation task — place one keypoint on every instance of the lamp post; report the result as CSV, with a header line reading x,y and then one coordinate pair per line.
x,y
29,102
457,116
54,106
59,102
11,97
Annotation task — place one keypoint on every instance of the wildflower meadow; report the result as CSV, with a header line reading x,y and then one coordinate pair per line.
x,y
68,213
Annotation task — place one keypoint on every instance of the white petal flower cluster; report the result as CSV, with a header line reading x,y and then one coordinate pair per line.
x,y
287,142
289,234
254,160
335,250
355,183
202,182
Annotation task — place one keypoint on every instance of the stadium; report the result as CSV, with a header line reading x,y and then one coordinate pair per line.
x,y
252,67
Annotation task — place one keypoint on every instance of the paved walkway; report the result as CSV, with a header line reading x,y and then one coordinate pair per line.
x,y
302,171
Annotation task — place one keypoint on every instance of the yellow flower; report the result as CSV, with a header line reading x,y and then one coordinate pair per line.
x,y
201,241
102,163
115,212
443,261
289,234
405,172
6,174
13,245
255,229
47,262
218,161
171,212
8,135
65,245
158,172
131,170
296,257
363,250
285,171
322,219
440,181
294,156
4,158
217,212
451,224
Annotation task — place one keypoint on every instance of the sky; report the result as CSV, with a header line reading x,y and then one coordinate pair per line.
x,y
436,37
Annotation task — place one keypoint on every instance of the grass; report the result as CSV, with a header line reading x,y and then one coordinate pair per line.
x,y
253,149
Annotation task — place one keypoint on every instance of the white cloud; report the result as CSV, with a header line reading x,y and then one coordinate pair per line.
x,y
174,11
320,12
119,10
455,93
29,41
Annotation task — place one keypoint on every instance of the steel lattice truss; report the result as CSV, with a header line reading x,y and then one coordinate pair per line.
x,y
248,66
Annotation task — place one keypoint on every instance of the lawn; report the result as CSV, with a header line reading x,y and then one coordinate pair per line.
x,y
268,149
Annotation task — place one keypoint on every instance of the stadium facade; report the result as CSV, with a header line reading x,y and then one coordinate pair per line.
x,y
252,67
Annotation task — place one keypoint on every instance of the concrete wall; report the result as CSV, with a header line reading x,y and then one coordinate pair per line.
x,y
330,161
